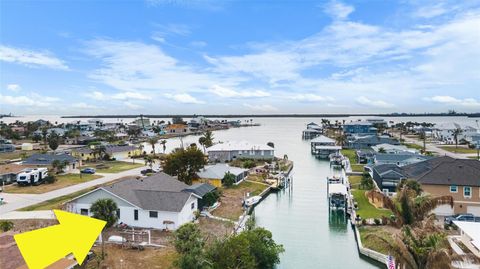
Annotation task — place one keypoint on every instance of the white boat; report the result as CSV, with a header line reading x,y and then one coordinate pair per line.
x,y
252,200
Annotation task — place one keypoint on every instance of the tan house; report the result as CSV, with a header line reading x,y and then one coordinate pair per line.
x,y
176,129
459,178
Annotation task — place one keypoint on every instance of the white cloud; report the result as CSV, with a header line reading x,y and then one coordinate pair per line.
x,y
132,105
430,11
373,103
449,100
309,97
229,93
338,10
83,105
130,95
183,98
31,58
97,95
14,87
34,100
261,108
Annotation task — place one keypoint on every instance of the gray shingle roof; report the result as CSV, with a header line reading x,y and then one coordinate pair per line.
x,y
159,192
219,170
383,157
200,189
47,159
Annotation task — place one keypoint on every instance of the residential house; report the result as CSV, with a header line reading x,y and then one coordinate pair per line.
x,y
367,141
6,147
323,146
142,122
393,149
444,132
9,172
379,122
46,160
314,126
439,176
365,156
359,127
400,159
201,190
470,235
158,201
214,174
176,129
231,150
117,152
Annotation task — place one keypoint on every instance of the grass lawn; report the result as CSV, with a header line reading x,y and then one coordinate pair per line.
x,y
473,157
62,182
55,203
17,154
365,209
372,242
462,150
118,166
413,146
350,154
355,181
357,168
232,198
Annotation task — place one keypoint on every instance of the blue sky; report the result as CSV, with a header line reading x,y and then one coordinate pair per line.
x,y
202,56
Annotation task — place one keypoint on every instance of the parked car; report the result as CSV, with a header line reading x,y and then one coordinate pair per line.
x,y
461,217
88,170
148,171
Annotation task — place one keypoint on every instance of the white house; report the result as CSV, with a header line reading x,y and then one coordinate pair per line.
x,y
228,151
444,132
158,201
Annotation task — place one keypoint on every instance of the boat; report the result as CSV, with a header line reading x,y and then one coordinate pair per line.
x,y
337,159
335,180
252,200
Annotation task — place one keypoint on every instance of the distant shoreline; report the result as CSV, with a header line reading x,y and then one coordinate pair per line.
x,y
470,115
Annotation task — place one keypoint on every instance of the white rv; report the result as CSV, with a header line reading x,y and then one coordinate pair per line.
x,y
32,176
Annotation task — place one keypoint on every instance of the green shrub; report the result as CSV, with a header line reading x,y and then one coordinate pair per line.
x,y
377,221
6,225
228,180
50,179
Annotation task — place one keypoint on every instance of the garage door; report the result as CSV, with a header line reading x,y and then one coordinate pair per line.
x,y
475,210
443,210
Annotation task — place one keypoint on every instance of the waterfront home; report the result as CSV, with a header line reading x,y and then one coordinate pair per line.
x,y
198,123
378,122
393,149
231,150
46,160
176,129
438,176
80,140
158,201
314,126
201,190
142,122
6,147
58,131
323,146
214,174
367,141
400,159
310,133
444,132
359,127
365,156
470,235
117,152
9,172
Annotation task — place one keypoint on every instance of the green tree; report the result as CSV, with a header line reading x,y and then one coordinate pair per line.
x,y
184,163
382,150
6,225
36,137
202,141
420,247
208,138
53,141
163,142
341,139
366,182
228,179
149,160
106,210
456,133
153,141
189,243
58,166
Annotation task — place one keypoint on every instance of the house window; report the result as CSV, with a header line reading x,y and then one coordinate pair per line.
x,y
84,211
118,213
467,192
135,214
453,189
153,214
193,205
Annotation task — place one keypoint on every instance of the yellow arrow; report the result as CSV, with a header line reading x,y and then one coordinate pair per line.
x,y
75,234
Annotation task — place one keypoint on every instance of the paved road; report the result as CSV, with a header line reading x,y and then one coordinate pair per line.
x,y
17,201
434,148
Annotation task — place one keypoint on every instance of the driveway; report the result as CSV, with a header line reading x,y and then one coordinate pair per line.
x,y
17,201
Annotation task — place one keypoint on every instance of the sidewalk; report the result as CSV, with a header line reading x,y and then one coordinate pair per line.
x,y
18,201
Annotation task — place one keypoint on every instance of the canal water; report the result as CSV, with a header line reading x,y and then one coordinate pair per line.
x,y
298,217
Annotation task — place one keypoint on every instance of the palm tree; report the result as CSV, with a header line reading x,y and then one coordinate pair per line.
x,y
411,206
208,138
149,160
420,247
456,133
341,139
201,141
163,142
152,141
382,150
106,210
